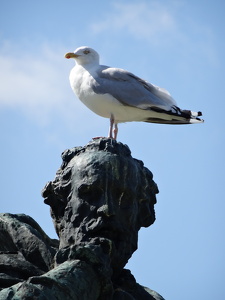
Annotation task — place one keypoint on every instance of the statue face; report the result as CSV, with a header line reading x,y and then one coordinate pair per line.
x,y
103,204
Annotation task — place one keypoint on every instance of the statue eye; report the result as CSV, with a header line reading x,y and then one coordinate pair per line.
x,y
86,51
89,193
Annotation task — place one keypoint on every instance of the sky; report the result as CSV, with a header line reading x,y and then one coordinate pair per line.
x,y
178,45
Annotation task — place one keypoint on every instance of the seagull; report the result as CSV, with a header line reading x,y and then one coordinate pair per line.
x,y
122,96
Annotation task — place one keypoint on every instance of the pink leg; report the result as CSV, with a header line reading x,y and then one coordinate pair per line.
x,y
111,127
115,131
112,132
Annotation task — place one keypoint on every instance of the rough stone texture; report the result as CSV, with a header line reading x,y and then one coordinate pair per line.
x,y
25,250
99,200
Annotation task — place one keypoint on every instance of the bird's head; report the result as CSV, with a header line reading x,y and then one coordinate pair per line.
x,y
84,55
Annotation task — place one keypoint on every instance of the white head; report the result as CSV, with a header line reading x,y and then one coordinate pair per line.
x,y
84,55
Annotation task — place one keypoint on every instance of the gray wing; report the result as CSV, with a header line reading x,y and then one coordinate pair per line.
x,y
130,89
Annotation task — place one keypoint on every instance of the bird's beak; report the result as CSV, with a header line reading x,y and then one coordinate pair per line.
x,y
71,55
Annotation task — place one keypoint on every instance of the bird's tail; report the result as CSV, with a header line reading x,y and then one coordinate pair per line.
x,y
192,116
175,116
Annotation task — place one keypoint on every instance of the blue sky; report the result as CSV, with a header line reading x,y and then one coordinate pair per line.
x,y
178,45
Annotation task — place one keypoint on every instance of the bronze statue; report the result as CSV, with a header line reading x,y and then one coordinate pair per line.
x,y
99,200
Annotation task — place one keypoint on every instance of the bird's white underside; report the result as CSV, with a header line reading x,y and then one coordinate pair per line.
x,y
106,105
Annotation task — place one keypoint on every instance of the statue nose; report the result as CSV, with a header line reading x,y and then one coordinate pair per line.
x,y
107,207
106,211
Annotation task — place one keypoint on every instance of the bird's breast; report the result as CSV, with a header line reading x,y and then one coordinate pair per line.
x,y
102,104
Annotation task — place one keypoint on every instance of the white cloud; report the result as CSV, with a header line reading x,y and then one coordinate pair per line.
x,y
143,20
162,24
37,83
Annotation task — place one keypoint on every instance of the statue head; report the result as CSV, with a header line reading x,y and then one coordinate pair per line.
x,y
101,193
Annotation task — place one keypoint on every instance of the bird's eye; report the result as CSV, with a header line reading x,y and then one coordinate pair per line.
x,y
86,51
